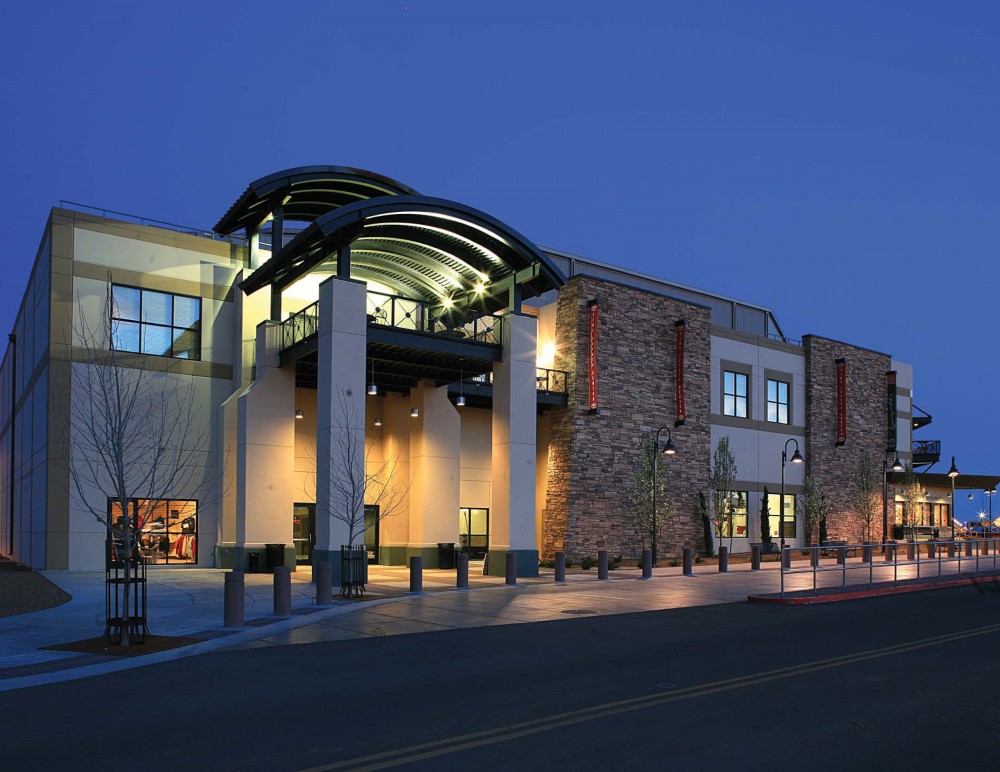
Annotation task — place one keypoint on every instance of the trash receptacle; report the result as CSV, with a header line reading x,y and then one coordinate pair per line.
x,y
253,562
275,556
446,554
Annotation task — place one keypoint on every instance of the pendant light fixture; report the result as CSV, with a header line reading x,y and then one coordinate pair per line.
x,y
378,420
460,402
372,388
414,412
299,415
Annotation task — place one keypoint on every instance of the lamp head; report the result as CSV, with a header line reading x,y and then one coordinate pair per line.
x,y
797,457
897,465
953,472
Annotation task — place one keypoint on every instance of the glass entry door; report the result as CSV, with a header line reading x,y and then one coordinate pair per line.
x,y
303,532
474,531
371,531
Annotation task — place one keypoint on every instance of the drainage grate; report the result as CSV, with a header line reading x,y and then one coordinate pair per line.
x,y
578,611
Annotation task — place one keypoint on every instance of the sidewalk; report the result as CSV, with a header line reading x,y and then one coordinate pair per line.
x,y
188,603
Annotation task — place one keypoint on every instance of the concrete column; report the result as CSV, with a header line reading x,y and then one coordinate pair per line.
x,y
435,472
265,453
512,526
340,429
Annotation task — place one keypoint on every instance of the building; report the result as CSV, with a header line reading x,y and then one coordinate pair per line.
x,y
497,393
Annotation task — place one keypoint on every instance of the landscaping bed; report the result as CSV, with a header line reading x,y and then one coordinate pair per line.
x,y
23,591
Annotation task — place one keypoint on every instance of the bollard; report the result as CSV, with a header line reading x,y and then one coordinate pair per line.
x,y
282,591
416,574
786,557
814,558
647,564
755,557
866,553
232,613
841,556
968,549
890,551
511,568
462,571
323,573
911,550
931,549
951,549
723,560
560,567
602,564
688,561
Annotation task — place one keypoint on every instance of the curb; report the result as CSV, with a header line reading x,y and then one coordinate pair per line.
x,y
874,592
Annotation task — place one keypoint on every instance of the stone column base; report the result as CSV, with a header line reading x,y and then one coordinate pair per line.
x,y
527,563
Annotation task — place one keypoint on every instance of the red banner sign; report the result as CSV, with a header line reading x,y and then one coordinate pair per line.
x,y
890,411
841,401
680,328
594,406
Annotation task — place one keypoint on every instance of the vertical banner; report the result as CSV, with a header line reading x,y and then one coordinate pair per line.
x,y
890,411
680,330
841,401
594,405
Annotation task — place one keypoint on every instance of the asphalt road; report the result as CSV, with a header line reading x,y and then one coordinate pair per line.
x,y
901,682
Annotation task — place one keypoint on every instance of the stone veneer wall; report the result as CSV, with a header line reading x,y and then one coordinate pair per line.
x,y
836,468
592,458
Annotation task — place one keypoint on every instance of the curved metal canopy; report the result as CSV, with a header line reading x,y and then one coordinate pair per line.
x,y
306,193
422,247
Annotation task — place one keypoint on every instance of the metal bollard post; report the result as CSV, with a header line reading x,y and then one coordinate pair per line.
x,y
841,556
755,557
560,567
282,591
511,568
890,551
416,574
911,549
688,561
931,549
968,549
323,573
866,553
232,613
462,571
814,558
786,558
647,564
602,564
723,559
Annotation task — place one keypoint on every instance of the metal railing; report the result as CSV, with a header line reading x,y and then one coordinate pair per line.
x,y
248,361
299,326
550,381
946,558
204,233
420,316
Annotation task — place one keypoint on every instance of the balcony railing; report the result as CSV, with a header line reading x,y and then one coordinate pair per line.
x,y
546,381
299,326
420,316
926,451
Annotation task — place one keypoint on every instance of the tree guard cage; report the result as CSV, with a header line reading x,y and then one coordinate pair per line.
x,y
353,570
123,615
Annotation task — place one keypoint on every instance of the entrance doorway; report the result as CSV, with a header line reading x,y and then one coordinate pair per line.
x,y
474,531
304,532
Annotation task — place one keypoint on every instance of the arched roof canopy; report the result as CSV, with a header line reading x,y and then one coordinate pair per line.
x,y
427,248
306,193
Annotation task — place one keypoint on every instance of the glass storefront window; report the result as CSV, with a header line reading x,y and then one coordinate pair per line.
x,y
733,520
168,530
774,521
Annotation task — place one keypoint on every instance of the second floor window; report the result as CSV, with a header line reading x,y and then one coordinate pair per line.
x,y
734,394
777,402
157,323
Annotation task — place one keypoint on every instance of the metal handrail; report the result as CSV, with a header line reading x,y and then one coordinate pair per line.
x,y
140,220
300,325
550,381
940,553
403,313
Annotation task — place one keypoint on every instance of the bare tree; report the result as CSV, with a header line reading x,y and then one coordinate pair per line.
x,y
815,507
721,479
912,492
864,495
134,438
649,476
358,479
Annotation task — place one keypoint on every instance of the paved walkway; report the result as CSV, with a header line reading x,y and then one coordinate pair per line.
x,y
188,603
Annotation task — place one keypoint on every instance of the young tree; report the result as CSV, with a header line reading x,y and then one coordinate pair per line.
x,y
865,494
134,437
912,493
706,523
721,479
643,486
815,506
765,522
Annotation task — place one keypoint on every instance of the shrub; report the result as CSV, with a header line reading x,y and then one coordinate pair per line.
x,y
587,562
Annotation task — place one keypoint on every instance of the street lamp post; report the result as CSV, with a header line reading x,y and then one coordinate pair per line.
x,y
897,466
668,450
953,473
796,459
990,493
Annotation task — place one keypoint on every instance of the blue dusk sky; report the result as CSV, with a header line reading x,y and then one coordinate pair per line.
x,y
836,161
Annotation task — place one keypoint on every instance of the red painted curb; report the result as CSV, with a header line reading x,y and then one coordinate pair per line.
x,y
875,592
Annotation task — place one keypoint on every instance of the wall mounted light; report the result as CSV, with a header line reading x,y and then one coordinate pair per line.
x,y
414,412
299,415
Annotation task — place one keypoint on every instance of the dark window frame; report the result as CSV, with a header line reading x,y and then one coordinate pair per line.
x,y
777,401
172,329
738,399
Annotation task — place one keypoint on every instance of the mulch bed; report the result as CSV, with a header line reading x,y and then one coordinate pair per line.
x,y
152,645
23,591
